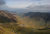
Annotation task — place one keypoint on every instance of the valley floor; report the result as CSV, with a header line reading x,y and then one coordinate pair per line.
x,y
23,26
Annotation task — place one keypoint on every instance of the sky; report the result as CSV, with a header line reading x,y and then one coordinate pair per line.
x,y
23,3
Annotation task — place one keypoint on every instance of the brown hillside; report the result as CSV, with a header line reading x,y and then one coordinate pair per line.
x,y
6,17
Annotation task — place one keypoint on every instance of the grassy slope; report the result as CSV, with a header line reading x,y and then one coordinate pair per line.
x,y
5,31
13,28
27,22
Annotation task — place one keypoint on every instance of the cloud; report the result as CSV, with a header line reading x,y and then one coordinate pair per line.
x,y
2,2
24,3
19,3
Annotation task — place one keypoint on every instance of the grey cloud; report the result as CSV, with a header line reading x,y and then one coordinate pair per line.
x,y
2,2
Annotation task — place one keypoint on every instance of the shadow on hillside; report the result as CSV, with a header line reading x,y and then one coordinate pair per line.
x,y
22,30
31,31
6,20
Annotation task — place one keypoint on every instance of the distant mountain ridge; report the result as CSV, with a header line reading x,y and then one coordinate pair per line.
x,y
6,17
38,15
